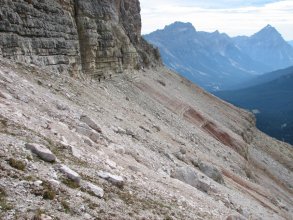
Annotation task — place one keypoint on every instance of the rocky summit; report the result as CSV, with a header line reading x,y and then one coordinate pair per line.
x,y
92,126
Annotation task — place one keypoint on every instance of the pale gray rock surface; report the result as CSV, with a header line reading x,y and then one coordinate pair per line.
x,y
43,152
90,123
211,172
91,188
71,174
99,38
114,179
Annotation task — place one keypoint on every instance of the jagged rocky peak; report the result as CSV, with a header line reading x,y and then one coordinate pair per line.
x,y
74,36
268,32
179,26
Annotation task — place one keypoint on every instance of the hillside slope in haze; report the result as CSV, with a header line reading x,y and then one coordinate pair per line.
x,y
209,59
215,61
291,42
267,77
144,143
267,46
273,102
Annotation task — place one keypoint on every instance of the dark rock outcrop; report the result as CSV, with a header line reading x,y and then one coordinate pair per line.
x,y
95,37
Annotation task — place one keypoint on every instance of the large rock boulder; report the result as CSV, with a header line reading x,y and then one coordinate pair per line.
x,y
190,176
43,152
211,172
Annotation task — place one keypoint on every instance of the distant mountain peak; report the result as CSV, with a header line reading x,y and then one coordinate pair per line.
x,y
180,26
268,26
268,31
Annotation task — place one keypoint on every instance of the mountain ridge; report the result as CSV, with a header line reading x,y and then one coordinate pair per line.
x,y
199,54
215,60
267,46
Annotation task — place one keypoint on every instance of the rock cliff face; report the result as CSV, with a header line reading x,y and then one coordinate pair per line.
x,y
95,37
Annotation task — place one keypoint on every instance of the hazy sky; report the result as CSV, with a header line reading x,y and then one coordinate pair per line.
x,y
235,17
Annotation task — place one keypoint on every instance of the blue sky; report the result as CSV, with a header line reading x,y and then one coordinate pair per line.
x,y
235,17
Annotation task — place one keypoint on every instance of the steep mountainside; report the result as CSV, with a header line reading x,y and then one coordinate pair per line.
x,y
143,144
291,43
267,46
273,103
209,59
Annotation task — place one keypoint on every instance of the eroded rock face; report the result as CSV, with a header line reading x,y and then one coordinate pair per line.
x,y
40,32
96,37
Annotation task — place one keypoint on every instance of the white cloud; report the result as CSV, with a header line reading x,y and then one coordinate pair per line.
x,y
244,20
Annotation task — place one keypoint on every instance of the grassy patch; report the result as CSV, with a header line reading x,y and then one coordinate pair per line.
x,y
70,183
48,193
38,214
3,203
17,164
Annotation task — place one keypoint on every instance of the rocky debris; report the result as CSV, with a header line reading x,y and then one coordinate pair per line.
x,y
211,172
114,179
111,164
42,217
117,148
43,152
90,123
93,189
235,217
74,176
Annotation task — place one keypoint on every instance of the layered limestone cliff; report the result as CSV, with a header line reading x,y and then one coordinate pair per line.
x,y
95,37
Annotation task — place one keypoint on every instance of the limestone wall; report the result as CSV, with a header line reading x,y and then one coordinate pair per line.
x,y
74,36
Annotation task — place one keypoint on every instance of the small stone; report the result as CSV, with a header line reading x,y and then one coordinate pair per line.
x,y
111,164
75,151
61,107
43,152
93,189
182,151
54,182
90,123
114,179
38,183
70,173
87,216
44,217
235,217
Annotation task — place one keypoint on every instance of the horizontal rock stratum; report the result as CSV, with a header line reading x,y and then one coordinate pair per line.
x,y
73,36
